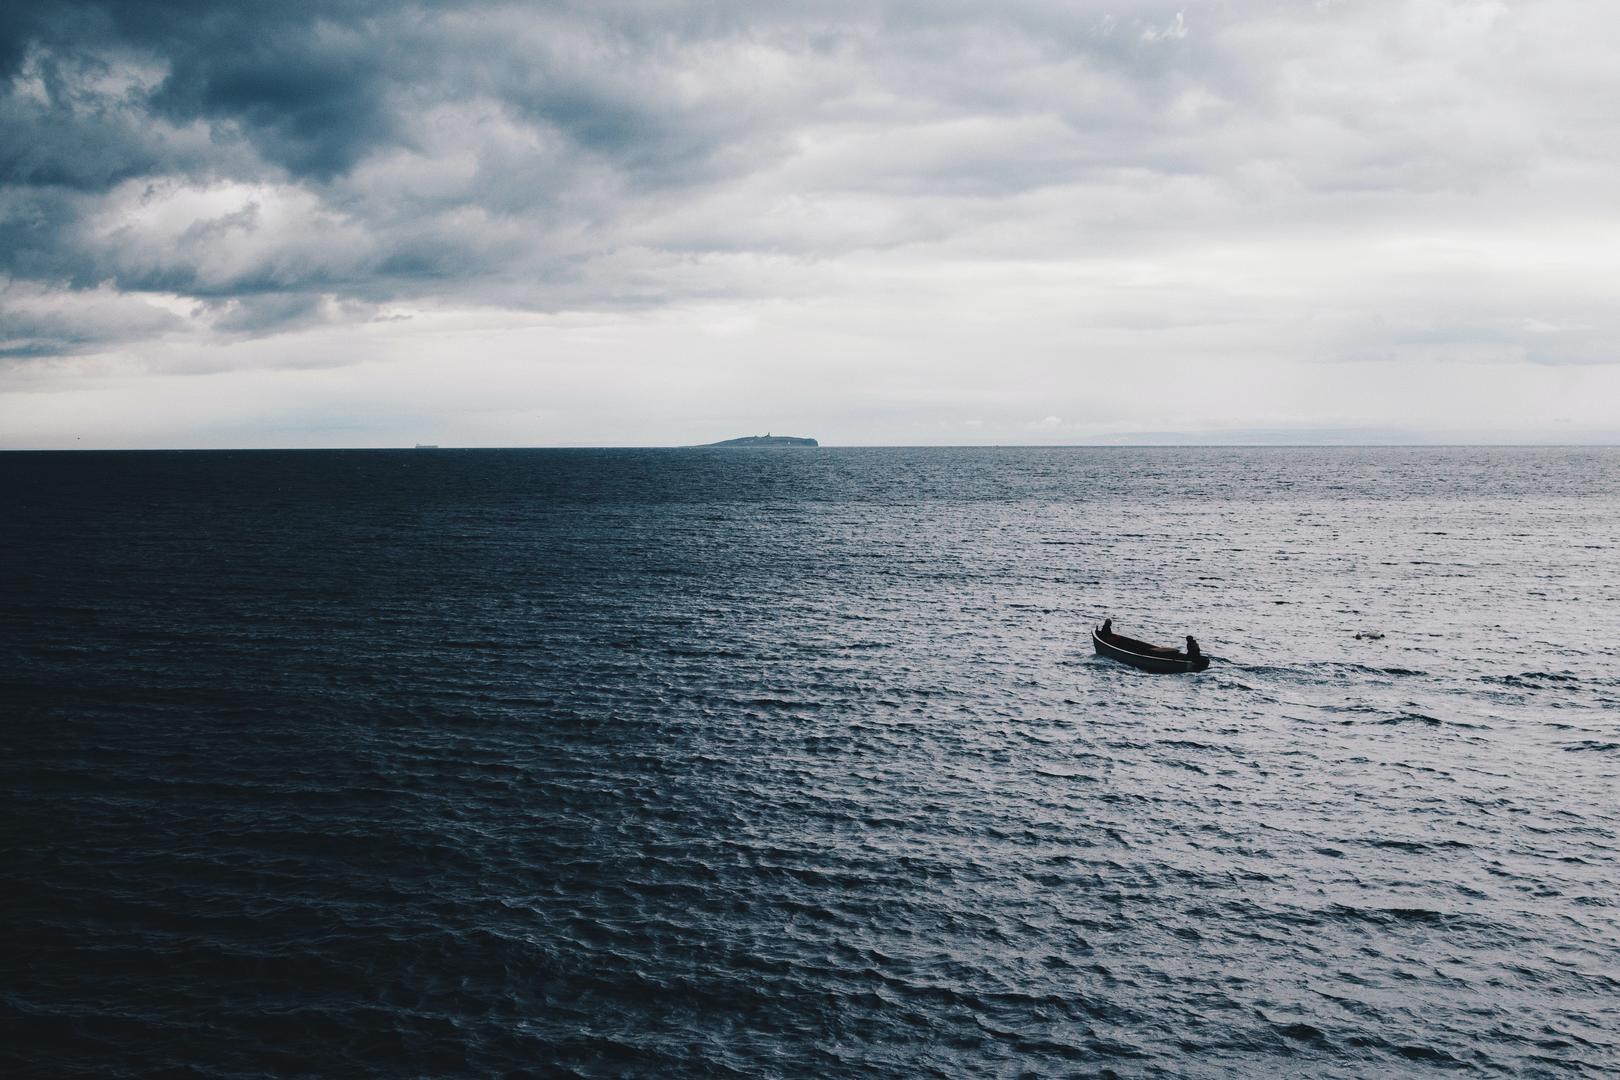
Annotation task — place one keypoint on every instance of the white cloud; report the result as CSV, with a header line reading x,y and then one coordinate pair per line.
x,y
1174,30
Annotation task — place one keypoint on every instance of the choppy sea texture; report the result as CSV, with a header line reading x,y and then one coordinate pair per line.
x,y
798,764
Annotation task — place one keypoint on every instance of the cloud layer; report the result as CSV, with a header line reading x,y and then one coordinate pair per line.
x,y
1013,215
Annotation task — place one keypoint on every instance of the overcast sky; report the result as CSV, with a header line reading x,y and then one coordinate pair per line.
x,y
296,223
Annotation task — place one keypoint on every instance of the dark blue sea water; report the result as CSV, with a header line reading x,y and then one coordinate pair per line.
x,y
798,763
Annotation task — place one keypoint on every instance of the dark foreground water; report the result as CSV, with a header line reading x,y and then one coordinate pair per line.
x,y
797,764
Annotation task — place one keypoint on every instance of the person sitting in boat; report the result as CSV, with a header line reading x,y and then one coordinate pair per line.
x,y
1192,648
1108,628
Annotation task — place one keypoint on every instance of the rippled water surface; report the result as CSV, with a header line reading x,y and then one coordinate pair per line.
x,y
798,763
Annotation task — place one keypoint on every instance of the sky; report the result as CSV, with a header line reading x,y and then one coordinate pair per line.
x,y
298,223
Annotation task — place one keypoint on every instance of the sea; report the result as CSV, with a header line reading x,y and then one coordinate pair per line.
x,y
799,763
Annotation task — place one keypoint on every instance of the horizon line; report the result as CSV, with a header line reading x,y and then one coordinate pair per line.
x,y
830,446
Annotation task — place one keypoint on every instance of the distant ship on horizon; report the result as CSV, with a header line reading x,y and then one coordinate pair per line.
x,y
765,440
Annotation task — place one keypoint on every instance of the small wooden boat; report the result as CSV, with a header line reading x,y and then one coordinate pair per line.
x,y
1159,659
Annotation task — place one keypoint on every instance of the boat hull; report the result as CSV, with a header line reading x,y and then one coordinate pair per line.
x,y
1165,662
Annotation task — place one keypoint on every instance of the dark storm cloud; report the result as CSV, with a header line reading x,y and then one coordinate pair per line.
x,y
302,82
188,96
48,145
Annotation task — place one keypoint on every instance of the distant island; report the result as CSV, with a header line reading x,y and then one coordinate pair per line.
x,y
766,440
